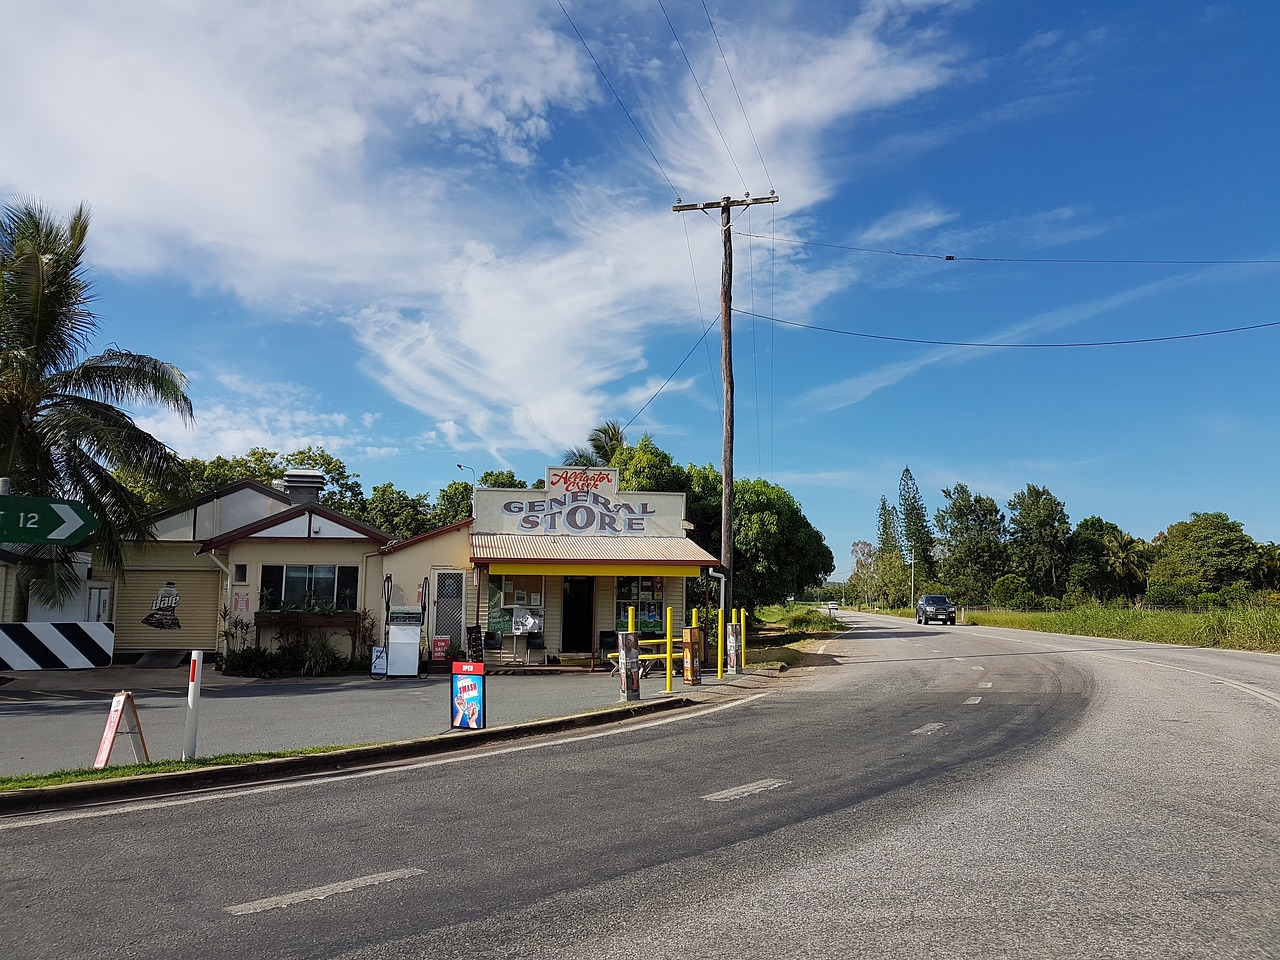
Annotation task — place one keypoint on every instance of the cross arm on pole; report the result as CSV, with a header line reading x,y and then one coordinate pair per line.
x,y
724,202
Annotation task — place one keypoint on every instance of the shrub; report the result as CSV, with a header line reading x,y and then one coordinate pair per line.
x,y
1014,592
320,656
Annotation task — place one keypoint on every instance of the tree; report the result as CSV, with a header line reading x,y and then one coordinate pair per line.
x,y
502,480
396,513
62,425
603,444
1038,531
1202,555
972,539
647,467
892,578
1090,574
777,552
1128,559
1012,591
916,532
342,490
452,505
862,576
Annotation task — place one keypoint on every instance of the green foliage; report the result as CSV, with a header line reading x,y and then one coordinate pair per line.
x,y
777,551
319,657
394,512
64,421
972,538
646,467
603,445
453,505
1038,532
1204,554
916,532
502,480
1012,591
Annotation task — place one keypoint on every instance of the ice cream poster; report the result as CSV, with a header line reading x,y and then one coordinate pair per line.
x,y
467,702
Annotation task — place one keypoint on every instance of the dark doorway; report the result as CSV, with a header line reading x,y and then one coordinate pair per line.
x,y
579,615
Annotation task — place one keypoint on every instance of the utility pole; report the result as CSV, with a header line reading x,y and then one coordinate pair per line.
x,y
726,369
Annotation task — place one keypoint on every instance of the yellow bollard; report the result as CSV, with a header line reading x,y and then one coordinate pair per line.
x,y
743,621
631,619
669,612
695,618
720,641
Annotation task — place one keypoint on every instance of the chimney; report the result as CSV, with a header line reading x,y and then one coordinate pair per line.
x,y
303,486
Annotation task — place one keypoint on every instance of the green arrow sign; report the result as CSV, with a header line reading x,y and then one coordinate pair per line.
x,y
37,520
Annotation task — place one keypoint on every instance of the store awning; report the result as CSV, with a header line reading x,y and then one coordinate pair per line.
x,y
559,555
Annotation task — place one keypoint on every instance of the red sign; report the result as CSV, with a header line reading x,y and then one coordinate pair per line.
x,y
579,479
439,648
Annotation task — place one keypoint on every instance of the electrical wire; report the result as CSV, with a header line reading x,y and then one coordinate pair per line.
x,y
608,84
673,372
1066,260
705,101
734,84
964,343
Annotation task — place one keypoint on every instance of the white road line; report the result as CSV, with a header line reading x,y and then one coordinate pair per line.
x,y
746,790
928,729
973,700
935,651
985,683
979,668
319,893
960,659
476,753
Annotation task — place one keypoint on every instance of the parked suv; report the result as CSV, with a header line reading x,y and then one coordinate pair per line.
x,y
934,606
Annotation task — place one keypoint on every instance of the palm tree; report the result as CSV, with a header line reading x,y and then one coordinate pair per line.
x,y
1127,558
603,444
62,432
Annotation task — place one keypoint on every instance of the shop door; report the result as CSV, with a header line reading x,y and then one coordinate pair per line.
x,y
450,605
579,615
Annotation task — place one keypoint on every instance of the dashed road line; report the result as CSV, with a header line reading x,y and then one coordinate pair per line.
x,y
973,700
985,683
979,668
746,790
320,893
928,729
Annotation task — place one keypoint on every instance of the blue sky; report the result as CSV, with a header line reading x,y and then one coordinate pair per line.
x,y
427,233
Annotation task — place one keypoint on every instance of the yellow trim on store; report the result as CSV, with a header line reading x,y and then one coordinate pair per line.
x,y
553,569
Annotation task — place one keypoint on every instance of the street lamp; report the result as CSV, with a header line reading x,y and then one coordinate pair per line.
x,y
463,466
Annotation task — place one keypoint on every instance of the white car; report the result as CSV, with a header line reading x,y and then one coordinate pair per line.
x,y
832,606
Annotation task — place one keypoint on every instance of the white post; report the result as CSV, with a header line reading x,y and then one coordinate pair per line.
x,y
193,704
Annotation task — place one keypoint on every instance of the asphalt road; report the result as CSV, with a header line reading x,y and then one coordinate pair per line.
x,y
924,792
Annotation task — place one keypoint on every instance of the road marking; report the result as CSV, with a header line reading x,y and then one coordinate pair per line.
x,y
928,729
319,893
56,696
746,790
973,700
985,683
935,651
960,659
979,668
476,753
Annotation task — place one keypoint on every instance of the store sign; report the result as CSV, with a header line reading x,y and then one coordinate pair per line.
x,y
467,706
582,480
580,513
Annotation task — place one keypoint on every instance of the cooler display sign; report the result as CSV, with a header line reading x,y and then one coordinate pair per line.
x,y
467,703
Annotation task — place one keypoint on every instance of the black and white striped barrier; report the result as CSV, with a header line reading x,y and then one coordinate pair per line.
x,y
56,646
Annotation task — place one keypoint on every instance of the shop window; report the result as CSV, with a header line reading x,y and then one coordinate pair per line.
x,y
315,587
645,594
516,603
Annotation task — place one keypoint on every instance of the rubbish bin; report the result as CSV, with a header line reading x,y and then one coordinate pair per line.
x,y
692,643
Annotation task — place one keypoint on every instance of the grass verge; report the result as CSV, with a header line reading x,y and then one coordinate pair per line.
x,y
59,777
785,636
1235,628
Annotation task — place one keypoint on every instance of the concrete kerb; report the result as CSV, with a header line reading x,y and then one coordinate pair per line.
x,y
34,799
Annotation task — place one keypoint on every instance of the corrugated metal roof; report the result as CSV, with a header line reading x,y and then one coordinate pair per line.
x,y
555,548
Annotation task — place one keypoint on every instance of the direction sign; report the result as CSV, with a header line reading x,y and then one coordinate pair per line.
x,y
39,520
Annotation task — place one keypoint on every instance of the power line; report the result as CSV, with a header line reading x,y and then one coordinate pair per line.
x,y
705,101
673,372
1065,260
608,84
963,343
734,84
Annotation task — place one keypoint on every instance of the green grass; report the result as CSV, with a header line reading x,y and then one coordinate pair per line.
x,y
1236,628
1242,628
59,777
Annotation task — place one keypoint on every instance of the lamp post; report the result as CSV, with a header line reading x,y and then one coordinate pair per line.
x,y
474,483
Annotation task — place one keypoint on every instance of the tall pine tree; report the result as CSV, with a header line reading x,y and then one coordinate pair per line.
x,y
917,534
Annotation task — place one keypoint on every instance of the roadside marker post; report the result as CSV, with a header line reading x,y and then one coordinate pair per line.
x,y
193,704
123,708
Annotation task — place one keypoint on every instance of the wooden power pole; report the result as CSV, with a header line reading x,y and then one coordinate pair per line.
x,y
726,369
